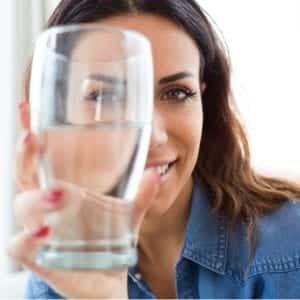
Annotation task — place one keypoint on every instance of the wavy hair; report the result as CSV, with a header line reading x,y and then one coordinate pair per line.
x,y
237,191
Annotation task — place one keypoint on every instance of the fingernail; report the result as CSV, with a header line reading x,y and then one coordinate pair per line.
x,y
26,136
22,105
54,196
41,232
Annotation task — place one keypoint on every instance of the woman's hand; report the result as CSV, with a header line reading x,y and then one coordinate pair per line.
x,y
30,208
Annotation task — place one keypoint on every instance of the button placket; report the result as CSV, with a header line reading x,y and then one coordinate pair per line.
x,y
185,281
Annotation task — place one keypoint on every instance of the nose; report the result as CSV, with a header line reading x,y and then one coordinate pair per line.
x,y
159,134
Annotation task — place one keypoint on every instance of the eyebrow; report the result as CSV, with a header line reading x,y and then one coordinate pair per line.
x,y
175,77
115,80
107,79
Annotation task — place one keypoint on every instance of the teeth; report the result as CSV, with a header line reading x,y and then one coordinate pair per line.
x,y
161,170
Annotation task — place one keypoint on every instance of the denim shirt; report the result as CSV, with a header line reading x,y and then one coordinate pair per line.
x,y
212,261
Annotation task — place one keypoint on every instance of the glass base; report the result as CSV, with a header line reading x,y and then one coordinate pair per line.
x,y
76,260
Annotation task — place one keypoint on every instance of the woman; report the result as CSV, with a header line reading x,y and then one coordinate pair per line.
x,y
214,228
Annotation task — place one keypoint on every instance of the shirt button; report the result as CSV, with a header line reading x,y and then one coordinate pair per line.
x,y
138,276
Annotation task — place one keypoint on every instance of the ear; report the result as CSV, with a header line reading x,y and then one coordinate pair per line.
x,y
202,87
24,115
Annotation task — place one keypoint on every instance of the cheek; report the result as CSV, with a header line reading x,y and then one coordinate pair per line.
x,y
184,127
192,132
188,127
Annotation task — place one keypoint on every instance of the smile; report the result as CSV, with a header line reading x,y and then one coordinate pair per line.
x,y
163,170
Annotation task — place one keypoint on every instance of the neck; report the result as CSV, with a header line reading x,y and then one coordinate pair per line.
x,y
167,230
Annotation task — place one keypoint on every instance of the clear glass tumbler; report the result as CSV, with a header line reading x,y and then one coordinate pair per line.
x,y
91,103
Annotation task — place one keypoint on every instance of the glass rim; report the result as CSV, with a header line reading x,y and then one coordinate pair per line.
x,y
124,34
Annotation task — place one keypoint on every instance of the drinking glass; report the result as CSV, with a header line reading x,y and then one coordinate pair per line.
x,y
91,103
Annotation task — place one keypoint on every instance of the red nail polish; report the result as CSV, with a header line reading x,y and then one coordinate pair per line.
x,y
41,232
27,136
22,105
54,196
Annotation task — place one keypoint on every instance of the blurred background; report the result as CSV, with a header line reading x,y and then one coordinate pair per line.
x,y
264,43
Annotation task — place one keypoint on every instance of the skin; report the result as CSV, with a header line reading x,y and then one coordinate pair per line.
x,y
162,232
162,207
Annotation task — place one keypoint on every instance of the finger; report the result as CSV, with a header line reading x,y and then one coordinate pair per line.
x,y
105,202
25,163
79,284
30,207
24,246
24,114
147,193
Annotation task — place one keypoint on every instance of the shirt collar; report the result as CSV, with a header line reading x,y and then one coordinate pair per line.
x,y
206,234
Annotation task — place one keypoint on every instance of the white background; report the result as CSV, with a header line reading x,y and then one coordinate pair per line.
x,y
264,41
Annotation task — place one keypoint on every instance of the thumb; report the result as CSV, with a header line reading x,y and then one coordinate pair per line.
x,y
25,168
149,188
24,114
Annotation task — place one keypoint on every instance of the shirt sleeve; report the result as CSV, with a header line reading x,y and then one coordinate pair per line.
x,y
37,288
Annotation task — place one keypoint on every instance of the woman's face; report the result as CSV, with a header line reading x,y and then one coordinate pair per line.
x,y
178,117
177,121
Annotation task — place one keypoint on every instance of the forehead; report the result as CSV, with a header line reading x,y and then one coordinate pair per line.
x,y
173,49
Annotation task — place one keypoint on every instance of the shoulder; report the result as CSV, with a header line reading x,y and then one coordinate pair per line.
x,y
287,214
278,232
37,288
277,247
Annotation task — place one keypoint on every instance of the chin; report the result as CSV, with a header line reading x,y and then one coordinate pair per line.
x,y
165,199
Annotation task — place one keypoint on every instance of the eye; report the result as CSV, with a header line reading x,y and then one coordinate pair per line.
x,y
178,94
92,96
106,95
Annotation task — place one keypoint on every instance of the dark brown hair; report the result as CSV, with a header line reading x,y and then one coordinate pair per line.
x,y
237,190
